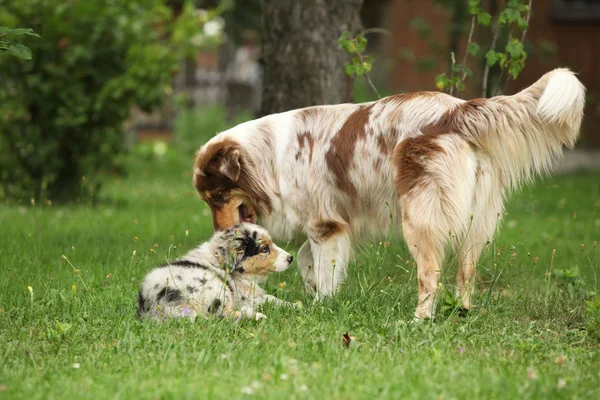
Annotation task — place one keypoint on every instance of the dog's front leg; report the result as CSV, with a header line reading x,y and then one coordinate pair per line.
x,y
276,301
331,249
306,265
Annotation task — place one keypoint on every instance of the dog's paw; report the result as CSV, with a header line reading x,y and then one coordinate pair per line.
x,y
259,316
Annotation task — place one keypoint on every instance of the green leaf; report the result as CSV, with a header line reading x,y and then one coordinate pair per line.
x,y
349,46
474,3
460,68
473,7
350,69
491,58
511,15
343,37
514,70
484,18
522,24
502,58
473,48
441,81
21,32
361,43
515,48
359,70
18,50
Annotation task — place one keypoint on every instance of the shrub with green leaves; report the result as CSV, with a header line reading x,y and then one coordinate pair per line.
x,y
9,42
593,309
61,113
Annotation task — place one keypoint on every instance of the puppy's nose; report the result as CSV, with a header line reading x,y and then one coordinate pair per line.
x,y
290,259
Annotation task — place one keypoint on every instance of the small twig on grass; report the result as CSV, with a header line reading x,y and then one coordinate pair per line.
x,y
549,275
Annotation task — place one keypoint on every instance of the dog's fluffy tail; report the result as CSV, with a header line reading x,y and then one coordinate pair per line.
x,y
561,102
526,132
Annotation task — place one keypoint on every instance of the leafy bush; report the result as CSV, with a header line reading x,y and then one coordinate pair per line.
x,y
9,42
194,127
593,309
61,114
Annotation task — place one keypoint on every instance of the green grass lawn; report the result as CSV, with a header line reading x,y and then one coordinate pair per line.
x,y
75,333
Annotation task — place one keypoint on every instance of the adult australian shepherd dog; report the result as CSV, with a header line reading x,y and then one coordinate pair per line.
x,y
331,175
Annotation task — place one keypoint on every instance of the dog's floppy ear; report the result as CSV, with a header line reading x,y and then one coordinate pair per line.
x,y
230,165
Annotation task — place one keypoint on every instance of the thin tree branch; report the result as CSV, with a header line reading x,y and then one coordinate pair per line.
x,y
486,71
522,38
464,61
376,30
369,79
527,20
452,73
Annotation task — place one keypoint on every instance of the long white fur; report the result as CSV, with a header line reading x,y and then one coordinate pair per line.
x,y
492,150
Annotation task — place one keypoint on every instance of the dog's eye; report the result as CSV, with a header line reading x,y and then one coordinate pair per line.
x,y
265,249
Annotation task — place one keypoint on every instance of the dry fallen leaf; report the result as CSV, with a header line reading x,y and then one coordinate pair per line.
x,y
347,339
531,373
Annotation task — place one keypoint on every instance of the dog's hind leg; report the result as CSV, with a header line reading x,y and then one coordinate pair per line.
x,y
331,249
306,265
435,181
426,245
488,200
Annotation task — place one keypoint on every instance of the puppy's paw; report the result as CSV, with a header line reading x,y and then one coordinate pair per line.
x,y
259,316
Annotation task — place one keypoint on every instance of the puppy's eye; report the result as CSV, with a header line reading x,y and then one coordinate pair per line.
x,y
265,249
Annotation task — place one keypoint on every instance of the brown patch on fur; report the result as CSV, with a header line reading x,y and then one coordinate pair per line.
x,y
410,156
339,157
325,229
303,138
216,189
224,217
409,159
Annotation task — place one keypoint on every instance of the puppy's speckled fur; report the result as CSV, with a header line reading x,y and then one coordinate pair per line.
x,y
220,277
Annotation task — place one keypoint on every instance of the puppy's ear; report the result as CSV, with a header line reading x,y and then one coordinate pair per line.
x,y
230,165
232,249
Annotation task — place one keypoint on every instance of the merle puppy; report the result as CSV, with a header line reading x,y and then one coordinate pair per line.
x,y
220,277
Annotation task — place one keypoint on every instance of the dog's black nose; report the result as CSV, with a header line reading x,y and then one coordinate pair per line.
x,y
290,259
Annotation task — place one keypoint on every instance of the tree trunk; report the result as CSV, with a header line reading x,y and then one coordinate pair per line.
x,y
303,63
